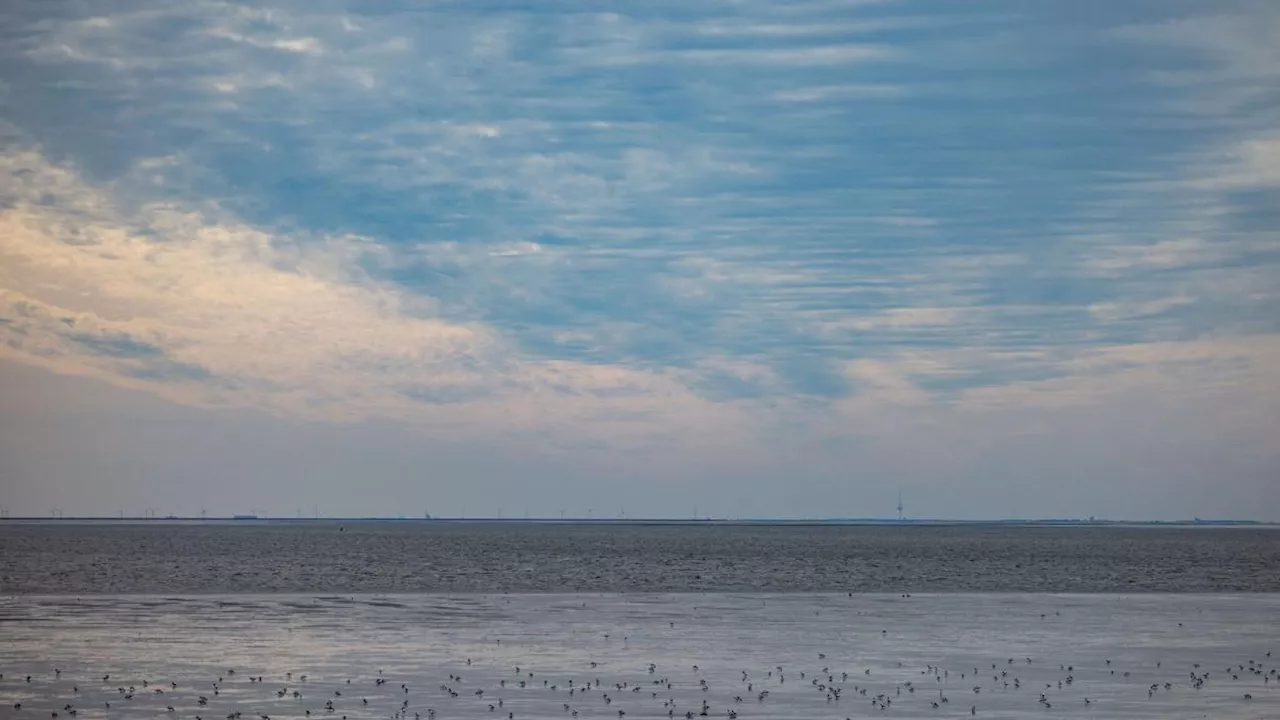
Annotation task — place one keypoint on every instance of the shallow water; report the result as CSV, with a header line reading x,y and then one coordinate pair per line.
x,y
159,558
883,642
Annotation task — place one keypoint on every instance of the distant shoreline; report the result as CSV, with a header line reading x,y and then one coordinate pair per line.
x,y
637,522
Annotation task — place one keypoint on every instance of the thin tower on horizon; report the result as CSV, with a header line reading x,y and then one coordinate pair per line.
x,y
900,516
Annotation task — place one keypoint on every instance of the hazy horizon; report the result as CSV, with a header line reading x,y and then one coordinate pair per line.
x,y
746,260
254,516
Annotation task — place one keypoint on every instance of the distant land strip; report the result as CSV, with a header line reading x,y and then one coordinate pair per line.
x,y
709,521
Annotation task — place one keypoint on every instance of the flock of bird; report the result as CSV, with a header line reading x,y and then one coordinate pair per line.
x,y
685,692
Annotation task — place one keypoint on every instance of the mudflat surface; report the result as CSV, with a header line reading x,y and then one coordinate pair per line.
x,y
763,656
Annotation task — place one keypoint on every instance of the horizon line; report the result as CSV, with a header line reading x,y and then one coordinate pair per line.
x,y
708,520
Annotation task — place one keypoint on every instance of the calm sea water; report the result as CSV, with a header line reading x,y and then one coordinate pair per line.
x,y
975,655
388,557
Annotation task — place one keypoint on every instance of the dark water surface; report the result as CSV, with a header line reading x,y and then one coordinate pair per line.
x,y
149,558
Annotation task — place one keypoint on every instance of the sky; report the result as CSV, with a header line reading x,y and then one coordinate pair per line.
x,y
741,258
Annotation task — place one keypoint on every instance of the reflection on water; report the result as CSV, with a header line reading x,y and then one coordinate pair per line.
x,y
909,652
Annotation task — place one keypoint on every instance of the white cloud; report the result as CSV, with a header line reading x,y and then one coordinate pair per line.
x,y
1243,45
236,301
1137,309
802,56
1185,372
821,93
900,318
885,382
202,309
1252,163
516,249
1165,254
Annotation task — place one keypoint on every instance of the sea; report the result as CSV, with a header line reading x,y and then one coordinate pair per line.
x,y
511,620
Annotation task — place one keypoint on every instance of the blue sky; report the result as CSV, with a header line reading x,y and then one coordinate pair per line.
x,y
1013,257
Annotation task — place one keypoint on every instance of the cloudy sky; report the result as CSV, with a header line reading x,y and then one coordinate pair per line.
x,y
746,258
